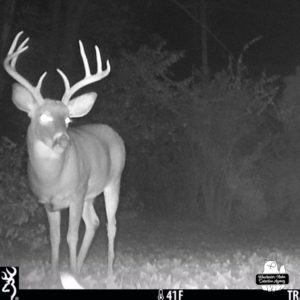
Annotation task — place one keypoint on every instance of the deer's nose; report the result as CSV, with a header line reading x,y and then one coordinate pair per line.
x,y
61,139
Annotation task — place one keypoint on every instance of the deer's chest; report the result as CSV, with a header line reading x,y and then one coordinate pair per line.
x,y
56,202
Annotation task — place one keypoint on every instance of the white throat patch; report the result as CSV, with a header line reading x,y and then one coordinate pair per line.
x,y
43,151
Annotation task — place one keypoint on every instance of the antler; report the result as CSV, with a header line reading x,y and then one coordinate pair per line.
x,y
10,67
88,78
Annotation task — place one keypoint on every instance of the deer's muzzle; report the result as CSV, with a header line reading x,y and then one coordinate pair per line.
x,y
60,142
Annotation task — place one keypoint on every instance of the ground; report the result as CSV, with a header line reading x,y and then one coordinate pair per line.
x,y
173,253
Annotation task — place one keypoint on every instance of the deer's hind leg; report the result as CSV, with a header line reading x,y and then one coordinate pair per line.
x,y
111,196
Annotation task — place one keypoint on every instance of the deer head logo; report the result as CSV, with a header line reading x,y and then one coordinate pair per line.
x,y
9,285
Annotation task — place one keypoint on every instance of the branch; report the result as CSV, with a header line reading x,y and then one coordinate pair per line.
x,y
196,20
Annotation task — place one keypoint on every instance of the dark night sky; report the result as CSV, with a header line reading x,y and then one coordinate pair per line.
x,y
234,23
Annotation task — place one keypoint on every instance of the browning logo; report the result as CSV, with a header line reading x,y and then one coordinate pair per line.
x,y
9,283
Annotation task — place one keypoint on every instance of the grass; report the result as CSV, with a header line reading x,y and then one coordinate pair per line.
x,y
175,254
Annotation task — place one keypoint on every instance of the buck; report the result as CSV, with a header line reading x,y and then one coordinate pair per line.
x,y
69,167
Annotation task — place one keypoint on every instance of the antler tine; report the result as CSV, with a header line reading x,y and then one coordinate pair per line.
x,y
15,41
84,60
9,65
88,78
65,79
22,47
99,62
40,81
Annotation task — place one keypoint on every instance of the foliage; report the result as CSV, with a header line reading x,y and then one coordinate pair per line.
x,y
20,213
136,97
280,170
130,203
223,116
290,108
191,139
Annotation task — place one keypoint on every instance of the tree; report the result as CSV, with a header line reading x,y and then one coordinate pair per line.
x,y
8,12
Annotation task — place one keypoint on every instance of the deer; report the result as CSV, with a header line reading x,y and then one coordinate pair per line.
x,y
68,167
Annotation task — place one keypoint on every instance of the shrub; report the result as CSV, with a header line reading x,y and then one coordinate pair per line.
x,y
20,221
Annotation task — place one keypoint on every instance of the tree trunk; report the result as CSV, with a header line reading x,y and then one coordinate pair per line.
x,y
74,14
56,22
55,30
204,39
8,18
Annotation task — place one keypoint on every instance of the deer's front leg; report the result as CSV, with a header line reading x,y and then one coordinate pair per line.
x,y
75,214
54,226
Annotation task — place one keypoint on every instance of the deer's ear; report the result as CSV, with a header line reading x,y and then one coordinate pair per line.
x,y
80,106
23,99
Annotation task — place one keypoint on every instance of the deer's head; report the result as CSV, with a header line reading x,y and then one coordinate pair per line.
x,y
50,118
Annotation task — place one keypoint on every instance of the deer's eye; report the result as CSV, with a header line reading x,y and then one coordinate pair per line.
x,y
45,119
67,121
